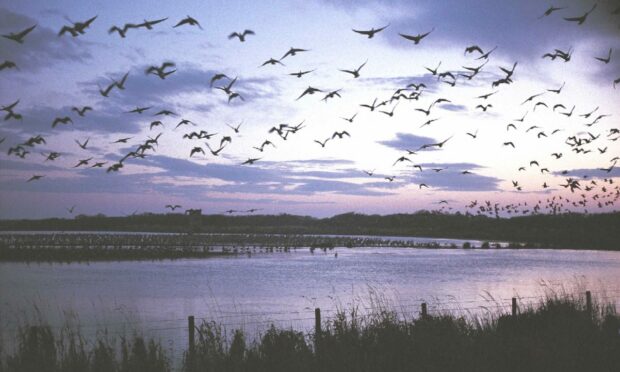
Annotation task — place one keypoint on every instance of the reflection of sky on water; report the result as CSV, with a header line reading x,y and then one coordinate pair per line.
x,y
286,288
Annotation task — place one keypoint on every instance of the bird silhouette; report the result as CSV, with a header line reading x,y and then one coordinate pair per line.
x,y
172,207
261,148
241,35
122,31
350,120
83,144
416,38
272,61
605,60
323,143
8,64
557,91
473,48
61,120
188,21
250,161
433,71
19,36
81,111
138,110
77,28
309,90
35,177
486,96
293,52
369,172
217,151
301,73
356,72
82,162
371,33
160,71
550,10
340,134
402,159
332,94
581,19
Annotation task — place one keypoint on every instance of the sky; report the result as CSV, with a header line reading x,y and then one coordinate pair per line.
x,y
299,176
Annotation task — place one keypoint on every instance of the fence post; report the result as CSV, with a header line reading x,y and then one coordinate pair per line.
x,y
589,302
192,343
317,329
514,306
424,312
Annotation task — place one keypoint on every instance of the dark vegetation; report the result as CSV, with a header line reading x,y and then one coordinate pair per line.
x,y
84,247
559,334
580,231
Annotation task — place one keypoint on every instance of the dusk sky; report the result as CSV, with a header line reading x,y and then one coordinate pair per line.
x,y
55,73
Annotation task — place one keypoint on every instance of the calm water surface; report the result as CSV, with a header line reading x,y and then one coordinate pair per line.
x,y
157,297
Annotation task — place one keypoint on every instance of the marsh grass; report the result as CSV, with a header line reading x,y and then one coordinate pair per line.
x,y
555,334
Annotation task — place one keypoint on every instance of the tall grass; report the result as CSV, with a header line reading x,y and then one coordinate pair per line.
x,y
556,334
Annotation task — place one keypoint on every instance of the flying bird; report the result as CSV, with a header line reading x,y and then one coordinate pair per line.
x,y
370,33
241,36
160,71
250,161
272,61
350,120
433,71
138,110
82,162
8,64
77,28
416,38
605,60
340,134
64,120
473,48
356,72
196,150
293,52
581,19
188,21
81,111
309,90
322,143
300,73
19,36
83,144
35,177
557,91
215,152
173,207
550,10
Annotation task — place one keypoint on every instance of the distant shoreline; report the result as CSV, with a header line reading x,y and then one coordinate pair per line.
x,y
565,231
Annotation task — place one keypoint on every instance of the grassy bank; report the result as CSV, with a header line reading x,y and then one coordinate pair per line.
x,y
558,334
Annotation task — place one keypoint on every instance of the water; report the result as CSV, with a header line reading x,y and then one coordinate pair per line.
x,y
251,292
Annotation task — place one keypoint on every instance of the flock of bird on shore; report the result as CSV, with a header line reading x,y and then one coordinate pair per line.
x,y
601,192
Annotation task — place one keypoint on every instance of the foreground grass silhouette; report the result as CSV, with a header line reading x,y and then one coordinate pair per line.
x,y
556,335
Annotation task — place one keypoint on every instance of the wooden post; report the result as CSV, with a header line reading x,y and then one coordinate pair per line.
x,y
514,306
424,313
192,343
317,329
589,302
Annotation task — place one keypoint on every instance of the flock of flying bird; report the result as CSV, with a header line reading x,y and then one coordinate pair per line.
x,y
601,192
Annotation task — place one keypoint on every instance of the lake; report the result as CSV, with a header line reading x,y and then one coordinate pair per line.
x,y
250,292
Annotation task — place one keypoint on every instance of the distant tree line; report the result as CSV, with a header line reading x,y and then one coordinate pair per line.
x,y
571,230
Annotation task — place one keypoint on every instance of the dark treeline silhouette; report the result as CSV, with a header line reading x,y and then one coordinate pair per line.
x,y
571,230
